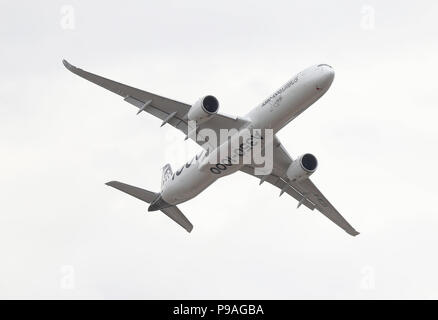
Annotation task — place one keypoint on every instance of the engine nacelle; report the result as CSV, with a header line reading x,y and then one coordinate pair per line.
x,y
203,109
302,167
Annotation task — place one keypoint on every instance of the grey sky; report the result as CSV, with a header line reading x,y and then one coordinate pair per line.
x,y
64,234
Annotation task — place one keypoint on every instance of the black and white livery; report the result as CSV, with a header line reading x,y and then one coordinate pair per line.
x,y
289,175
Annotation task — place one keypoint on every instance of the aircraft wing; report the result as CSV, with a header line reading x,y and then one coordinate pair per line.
x,y
305,192
324,206
168,110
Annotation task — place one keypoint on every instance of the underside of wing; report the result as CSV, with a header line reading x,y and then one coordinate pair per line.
x,y
168,110
281,184
176,215
147,196
135,96
304,191
139,193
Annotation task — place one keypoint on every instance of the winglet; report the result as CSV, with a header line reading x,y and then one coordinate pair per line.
x,y
67,65
71,67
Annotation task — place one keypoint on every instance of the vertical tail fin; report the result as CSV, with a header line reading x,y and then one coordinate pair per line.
x,y
166,174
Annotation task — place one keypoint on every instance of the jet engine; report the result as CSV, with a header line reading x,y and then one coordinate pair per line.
x,y
203,109
302,167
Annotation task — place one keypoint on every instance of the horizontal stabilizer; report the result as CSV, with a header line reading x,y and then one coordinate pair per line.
x,y
142,194
176,215
147,196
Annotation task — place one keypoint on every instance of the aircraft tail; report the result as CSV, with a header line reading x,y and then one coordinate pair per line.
x,y
154,199
166,174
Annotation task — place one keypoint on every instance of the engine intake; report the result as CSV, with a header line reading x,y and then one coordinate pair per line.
x,y
302,167
203,109
210,104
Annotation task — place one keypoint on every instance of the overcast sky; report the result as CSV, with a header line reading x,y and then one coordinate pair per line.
x,y
64,234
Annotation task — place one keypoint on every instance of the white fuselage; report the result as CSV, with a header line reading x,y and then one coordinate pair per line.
x,y
273,113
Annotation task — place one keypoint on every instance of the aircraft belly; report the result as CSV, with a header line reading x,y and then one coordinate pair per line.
x,y
187,186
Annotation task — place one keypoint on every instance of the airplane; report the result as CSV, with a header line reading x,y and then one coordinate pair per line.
x,y
291,176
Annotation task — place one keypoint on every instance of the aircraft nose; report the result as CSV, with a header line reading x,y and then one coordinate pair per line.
x,y
325,76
